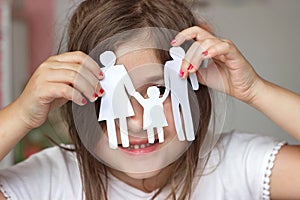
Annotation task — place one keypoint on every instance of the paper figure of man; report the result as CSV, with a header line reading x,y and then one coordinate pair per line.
x,y
179,94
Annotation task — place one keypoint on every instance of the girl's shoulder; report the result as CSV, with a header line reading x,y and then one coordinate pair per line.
x,y
60,157
237,139
53,168
237,145
235,149
240,166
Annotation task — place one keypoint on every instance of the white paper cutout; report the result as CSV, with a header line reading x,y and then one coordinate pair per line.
x,y
179,94
154,116
115,104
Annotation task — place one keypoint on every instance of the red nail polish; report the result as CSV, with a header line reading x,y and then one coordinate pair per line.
x,y
181,73
101,74
205,53
190,67
84,101
173,42
96,95
101,91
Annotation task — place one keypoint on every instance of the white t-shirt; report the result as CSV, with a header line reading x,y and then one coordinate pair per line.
x,y
242,173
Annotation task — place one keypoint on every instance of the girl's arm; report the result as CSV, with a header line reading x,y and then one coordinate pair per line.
x,y
234,75
280,105
12,128
59,79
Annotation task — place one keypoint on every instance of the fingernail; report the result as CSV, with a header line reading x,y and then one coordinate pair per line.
x,y
102,91
173,42
96,95
84,101
181,73
190,67
101,74
205,53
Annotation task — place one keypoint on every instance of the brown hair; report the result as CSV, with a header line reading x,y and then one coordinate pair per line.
x,y
95,21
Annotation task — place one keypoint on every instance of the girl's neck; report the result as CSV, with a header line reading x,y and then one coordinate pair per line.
x,y
147,185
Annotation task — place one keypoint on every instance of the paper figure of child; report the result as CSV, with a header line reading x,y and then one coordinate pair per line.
x,y
179,94
115,104
154,116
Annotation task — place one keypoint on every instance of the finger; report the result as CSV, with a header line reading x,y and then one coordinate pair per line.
x,y
213,76
75,79
224,50
55,91
80,58
58,103
186,64
194,32
84,72
196,57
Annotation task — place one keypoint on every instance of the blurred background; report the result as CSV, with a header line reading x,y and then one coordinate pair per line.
x,y
266,31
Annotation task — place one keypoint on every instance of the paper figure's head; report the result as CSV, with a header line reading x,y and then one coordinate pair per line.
x,y
153,92
109,24
108,58
177,53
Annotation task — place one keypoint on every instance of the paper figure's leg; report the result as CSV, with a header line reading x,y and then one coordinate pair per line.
x,y
188,122
150,133
124,132
177,118
161,136
112,135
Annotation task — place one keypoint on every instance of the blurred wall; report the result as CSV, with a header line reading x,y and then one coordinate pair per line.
x,y
31,28
267,33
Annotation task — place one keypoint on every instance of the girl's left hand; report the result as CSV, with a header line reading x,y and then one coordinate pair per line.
x,y
229,72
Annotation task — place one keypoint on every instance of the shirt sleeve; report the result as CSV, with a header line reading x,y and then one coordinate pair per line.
x,y
50,174
247,165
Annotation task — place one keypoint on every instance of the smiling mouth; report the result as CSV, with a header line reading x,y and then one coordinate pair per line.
x,y
140,148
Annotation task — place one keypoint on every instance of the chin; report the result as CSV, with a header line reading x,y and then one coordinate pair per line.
x,y
144,175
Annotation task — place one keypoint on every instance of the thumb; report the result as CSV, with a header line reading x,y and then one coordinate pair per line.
x,y
58,103
202,76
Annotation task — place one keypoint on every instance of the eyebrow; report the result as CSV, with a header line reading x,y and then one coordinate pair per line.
x,y
154,79
148,80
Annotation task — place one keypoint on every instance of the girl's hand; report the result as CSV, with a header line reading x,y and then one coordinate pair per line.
x,y
61,78
230,72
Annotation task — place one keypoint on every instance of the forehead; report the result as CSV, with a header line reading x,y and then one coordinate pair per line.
x,y
143,67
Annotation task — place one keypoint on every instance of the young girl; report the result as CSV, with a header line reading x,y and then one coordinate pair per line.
x,y
240,166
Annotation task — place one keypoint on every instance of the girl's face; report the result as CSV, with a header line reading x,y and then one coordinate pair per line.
x,y
142,160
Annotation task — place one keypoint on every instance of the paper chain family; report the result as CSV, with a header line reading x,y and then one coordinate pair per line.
x,y
115,104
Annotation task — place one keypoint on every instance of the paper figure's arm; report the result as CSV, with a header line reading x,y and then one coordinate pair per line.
x,y
128,83
167,75
166,94
129,86
139,98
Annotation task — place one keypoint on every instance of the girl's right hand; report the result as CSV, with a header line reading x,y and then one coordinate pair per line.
x,y
61,78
